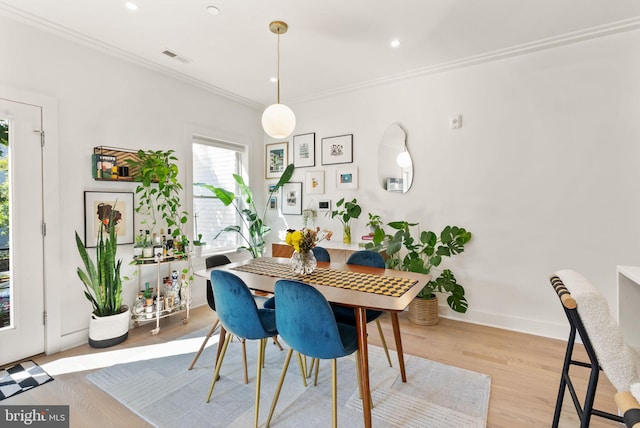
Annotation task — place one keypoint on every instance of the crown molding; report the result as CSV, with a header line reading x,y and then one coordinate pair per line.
x,y
72,35
512,51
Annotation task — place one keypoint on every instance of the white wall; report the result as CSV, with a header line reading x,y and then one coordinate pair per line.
x,y
103,100
545,171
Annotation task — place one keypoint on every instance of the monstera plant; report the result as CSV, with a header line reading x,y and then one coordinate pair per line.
x,y
423,253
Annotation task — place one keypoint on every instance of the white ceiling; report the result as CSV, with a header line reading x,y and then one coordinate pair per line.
x,y
331,45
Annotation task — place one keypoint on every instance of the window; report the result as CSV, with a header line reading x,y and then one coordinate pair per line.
x,y
215,162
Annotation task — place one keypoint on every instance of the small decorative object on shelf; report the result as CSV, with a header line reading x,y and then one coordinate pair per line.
x,y
303,241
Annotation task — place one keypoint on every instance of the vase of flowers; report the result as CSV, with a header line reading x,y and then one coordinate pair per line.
x,y
303,262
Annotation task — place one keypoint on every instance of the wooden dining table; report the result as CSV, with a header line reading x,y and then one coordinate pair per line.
x,y
367,288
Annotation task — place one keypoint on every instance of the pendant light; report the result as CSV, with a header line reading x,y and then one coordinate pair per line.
x,y
278,120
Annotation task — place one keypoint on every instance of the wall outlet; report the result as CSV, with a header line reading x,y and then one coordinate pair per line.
x,y
455,121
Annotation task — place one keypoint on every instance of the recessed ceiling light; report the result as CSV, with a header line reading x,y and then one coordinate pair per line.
x,y
131,5
213,10
274,79
395,43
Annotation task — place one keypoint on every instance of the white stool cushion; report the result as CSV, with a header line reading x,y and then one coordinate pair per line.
x,y
618,361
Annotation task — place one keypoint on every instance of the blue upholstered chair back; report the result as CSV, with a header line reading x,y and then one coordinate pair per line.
x,y
321,254
306,322
213,261
366,258
237,310
344,314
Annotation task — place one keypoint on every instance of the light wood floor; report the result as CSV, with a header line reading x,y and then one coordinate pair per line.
x,y
524,372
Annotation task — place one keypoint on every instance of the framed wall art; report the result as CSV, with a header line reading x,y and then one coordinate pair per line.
x,y
98,207
273,203
314,182
291,200
304,150
347,178
337,149
276,158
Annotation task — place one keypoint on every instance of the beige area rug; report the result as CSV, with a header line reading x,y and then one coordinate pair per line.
x,y
166,394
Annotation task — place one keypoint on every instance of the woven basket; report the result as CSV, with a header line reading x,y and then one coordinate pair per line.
x,y
424,311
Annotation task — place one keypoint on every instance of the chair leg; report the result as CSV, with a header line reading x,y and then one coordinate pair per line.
x,y
218,365
264,351
384,342
279,387
206,339
563,382
304,379
334,394
244,360
275,340
315,380
261,347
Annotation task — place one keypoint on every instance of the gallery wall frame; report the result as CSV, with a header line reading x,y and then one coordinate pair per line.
x,y
337,149
347,178
291,199
304,150
276,159
98,206
314,182
273,203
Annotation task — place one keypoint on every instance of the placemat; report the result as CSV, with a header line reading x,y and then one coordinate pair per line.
x,y
369,283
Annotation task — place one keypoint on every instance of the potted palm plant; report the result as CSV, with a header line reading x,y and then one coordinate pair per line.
x,y
422,254
109,323
253,230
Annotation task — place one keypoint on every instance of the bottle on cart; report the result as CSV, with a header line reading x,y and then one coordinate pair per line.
x,y
175,287
137,249
138,306
164,246
169,243
157,247
147,251
148,295
186,293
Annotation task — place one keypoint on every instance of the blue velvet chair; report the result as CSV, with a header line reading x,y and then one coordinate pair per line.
x,y
210,262
321,254
347,315
240,316
306,322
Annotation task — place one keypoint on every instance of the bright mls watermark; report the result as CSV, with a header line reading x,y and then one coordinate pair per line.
x,y
34,416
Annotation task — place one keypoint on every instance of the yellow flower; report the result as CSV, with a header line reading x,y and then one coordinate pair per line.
x,y
294,239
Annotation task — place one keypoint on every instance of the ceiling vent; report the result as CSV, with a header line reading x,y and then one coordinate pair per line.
x,y
176,56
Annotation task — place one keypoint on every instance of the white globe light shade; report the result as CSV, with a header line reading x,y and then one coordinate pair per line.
x,y
403,160
278,121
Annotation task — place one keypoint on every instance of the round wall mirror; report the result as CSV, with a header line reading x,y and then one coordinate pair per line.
x,y
395,167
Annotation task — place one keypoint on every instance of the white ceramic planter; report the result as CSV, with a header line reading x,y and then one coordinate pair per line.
x,y
109,331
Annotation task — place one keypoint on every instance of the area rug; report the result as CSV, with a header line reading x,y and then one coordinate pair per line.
x,y
20,378
163,392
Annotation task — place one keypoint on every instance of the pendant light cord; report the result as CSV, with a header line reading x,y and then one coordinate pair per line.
x,y
278,67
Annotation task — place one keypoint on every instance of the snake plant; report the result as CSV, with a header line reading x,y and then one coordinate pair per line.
x,y
102,281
